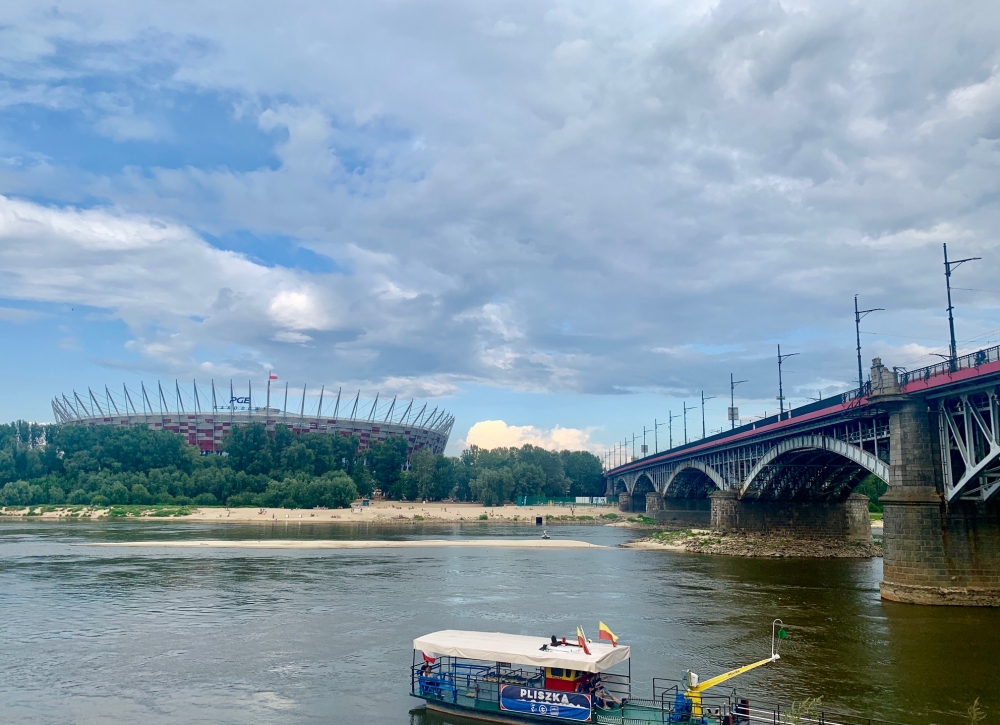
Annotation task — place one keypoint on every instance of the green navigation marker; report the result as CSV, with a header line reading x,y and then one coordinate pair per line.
x,y
782,634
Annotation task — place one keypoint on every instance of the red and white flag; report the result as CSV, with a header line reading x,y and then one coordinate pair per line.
x,y
428,659
272,376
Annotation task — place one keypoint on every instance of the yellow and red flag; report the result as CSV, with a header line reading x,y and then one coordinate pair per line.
x,y
603,633
582,641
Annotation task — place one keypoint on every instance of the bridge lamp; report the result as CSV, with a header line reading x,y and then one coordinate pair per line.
x,y
703,399
781,393
948,267
734,412
686,409
858,316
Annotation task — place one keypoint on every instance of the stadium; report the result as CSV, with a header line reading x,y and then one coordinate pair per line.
x,y
204,415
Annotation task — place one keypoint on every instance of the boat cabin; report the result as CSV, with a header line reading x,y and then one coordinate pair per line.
x,y
518,678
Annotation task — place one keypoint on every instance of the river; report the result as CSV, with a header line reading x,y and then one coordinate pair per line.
x,y
141,635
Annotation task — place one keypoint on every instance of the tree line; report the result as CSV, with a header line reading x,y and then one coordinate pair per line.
x,y
105,465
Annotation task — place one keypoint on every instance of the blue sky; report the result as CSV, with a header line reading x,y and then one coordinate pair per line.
x,y
571,217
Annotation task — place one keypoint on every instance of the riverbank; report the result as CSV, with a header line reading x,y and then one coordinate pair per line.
x,y
703,541
357,544
376,512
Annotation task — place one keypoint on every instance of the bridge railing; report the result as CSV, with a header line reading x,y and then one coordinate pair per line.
x,y
972,360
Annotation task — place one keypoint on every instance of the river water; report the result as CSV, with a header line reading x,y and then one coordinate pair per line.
x,y
142,635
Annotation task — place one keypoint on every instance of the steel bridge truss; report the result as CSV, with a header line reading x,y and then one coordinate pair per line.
x,y
969,435
821,464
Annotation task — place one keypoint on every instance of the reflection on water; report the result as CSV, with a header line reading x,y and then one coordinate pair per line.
x,y
163,636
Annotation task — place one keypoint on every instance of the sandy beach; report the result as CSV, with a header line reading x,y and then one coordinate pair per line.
x,y
376,512
332,544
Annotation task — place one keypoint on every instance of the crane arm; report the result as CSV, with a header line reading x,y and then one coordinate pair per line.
x,y
701,687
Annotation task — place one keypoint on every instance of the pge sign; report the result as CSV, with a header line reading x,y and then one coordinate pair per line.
x,y
239,401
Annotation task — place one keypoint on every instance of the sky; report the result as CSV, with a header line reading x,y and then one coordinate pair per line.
x,y
560,221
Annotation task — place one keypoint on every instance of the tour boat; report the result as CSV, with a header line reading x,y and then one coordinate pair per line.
x,y
510,678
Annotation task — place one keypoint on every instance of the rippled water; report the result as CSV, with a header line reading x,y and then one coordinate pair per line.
x,y
114,635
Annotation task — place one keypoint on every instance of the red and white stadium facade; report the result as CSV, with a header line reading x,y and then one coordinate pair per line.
x,y
205,426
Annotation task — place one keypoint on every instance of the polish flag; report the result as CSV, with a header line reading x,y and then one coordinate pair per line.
x,y
428,659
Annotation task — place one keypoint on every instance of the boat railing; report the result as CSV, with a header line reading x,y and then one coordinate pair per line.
x,y
616,684
669,706
447,679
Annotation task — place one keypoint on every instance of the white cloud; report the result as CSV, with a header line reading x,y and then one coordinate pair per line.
x,y
497,434
587,197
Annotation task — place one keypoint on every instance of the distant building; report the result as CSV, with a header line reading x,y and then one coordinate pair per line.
x,y
205,426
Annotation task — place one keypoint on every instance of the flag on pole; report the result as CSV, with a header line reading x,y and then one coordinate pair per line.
x,y
582,640
604,633
272,376
428,659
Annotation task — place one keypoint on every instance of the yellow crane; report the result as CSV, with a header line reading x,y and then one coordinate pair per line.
x,y
695,688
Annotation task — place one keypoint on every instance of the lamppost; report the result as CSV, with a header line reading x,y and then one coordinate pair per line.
x,y
781,393
656,442
948,267
686,409
671,428
703,399
734,414
858,316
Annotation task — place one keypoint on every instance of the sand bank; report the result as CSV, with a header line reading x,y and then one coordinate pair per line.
x,y
377,512
333,544
703,541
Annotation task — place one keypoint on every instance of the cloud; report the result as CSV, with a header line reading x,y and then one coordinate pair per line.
x,y
12,314
591,198
497,434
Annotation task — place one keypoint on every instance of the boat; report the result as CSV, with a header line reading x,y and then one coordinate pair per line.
x,y
510,678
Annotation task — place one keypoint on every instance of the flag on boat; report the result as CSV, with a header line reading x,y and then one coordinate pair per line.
x,y
272,376
604,633
582,640
428,659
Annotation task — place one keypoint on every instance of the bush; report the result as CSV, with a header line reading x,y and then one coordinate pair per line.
x,y
205,499
140,495
98,500
56,495
78,497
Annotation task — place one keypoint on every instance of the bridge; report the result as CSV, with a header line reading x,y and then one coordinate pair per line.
x,y
931,435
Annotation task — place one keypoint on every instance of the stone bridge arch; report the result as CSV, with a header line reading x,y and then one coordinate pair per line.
x,y
642,485
814,467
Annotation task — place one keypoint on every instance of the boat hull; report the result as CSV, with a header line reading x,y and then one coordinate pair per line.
x,y
494,716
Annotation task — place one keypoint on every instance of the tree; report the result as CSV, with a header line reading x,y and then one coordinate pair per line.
x,y
386,459
585,473
493,487
423,467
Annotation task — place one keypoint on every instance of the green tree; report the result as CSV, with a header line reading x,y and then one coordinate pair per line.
x,y
493,487
585,473
423,470
386,460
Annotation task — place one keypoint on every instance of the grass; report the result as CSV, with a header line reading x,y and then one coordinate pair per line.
x,y
484,517
418,517
874,516
610,517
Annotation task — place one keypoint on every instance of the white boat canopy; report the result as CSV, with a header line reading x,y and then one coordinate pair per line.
x,y
521,650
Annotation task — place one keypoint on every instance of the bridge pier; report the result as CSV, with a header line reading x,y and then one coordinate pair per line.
x,y
654,502
685,511
936,552
624,501
842,520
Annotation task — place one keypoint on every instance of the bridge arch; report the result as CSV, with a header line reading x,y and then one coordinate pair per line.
x,y
692,479
834,468
643,484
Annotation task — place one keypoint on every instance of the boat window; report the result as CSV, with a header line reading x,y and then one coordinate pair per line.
x,y
557,672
